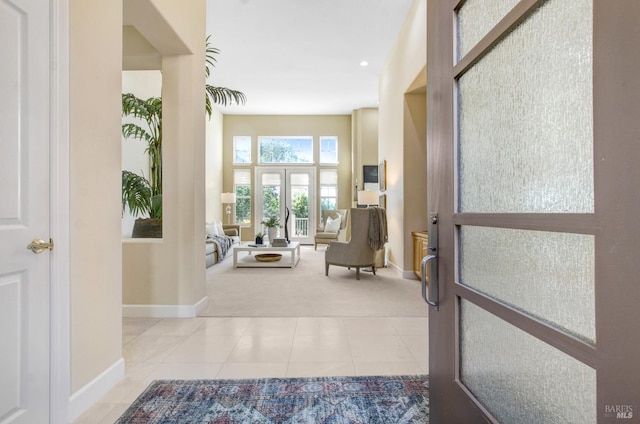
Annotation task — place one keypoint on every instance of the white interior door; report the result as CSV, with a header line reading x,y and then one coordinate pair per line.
x,y
24,211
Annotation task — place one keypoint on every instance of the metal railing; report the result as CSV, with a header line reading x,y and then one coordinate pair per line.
x,y
302,227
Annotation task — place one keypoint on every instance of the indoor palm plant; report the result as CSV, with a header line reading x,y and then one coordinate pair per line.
x,y
143,196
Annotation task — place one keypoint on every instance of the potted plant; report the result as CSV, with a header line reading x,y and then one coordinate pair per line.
x,y
144,196
272,223
259,238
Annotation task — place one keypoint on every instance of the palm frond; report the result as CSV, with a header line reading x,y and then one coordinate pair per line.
x,y
135,131
136,194
139,108
218,95
156,206
210,57
222,96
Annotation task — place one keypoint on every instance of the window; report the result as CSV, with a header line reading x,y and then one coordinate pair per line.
x,y
285,149
328,149
241,150
242,188
328,189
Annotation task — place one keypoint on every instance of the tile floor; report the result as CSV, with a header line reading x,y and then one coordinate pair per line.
x,y
207,348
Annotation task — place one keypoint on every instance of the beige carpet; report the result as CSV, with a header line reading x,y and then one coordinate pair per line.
x,y
305,291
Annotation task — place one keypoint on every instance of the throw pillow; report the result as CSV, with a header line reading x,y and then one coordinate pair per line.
x,y
211,229
232,232
219,229
332,225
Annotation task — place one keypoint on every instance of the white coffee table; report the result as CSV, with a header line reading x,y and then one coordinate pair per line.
x,y
249,260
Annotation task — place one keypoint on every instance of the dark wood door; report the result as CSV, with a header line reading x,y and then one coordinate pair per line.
x,y
533,139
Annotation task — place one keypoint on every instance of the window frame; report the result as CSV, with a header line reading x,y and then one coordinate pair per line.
x,y
239,197
336,186
259,160
237,138
328,137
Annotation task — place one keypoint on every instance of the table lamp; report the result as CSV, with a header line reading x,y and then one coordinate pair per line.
x,y
228,199
368,197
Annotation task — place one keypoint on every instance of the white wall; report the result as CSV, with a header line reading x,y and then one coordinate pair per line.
x,y
407,59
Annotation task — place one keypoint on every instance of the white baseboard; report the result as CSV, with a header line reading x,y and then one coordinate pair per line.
x,y
201,305
409,275
88,395
396,269
165,311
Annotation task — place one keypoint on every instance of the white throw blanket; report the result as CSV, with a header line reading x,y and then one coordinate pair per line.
x,y
223,243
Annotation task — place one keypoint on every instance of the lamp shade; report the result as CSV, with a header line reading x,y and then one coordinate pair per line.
x,y
228,197
368,197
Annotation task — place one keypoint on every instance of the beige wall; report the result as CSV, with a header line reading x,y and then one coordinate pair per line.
x,y
214,167
415,170
96,268
95,55
170,272
365,143
287,125
407,59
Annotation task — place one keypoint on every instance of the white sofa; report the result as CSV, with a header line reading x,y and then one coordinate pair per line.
x,y
211,249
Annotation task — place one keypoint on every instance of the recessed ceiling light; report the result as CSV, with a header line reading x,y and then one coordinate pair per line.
x,y
364,63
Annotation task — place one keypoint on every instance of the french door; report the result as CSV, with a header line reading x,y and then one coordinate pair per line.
x,y
279,190
532,145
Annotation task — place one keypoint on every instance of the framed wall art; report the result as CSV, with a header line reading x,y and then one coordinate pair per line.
x,y
382,175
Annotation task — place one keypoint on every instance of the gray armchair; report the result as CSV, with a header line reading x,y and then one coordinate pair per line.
x,y
356,252
326,237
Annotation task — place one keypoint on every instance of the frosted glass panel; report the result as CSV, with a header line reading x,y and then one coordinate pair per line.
x,y
519,378
476,18
548,275
526,129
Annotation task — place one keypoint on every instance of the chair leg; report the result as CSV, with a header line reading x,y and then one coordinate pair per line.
x,y
315,245
326,269
357,273
373,268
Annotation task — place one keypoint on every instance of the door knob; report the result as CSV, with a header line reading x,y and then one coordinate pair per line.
x,y
39,245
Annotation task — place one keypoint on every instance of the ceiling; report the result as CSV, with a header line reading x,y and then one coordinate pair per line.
x,y
302,57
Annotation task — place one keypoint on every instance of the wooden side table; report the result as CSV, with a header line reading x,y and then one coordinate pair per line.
x,y
420,250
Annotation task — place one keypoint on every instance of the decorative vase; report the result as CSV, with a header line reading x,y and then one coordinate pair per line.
x,y
259,240
272,232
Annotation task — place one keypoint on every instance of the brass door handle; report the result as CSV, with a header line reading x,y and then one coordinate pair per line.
x,y
39,245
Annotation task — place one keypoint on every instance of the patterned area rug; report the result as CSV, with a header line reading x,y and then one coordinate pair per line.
x,y
353,400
